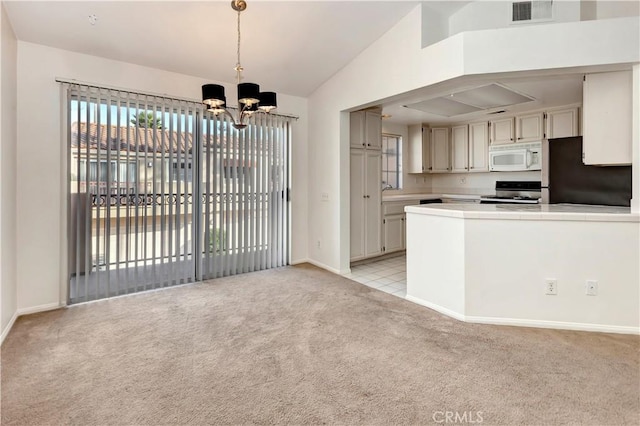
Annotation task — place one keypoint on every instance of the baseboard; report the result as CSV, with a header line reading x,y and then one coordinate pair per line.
x,y
7,329
518,322
323,266
40,308
446,311
559,325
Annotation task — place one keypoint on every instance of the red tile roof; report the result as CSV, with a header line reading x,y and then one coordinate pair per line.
x,y
132,139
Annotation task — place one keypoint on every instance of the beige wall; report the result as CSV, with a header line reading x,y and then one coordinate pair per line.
x,y
8,73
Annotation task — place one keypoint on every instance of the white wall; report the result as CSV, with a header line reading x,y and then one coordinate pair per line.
x,y
484,15
411,183
435,26
8,94
393,64
397,64
571,252
41,155
500,267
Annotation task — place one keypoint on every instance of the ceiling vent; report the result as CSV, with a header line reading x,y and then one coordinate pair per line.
x,y
471,100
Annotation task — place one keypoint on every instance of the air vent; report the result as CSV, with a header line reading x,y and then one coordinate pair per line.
x,y
535,10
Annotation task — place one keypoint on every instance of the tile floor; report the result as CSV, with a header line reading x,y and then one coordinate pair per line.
x,y
388,275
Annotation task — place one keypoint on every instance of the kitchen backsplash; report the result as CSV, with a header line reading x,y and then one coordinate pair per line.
x,y
476,183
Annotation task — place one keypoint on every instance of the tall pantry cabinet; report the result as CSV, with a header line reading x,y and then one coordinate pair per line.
x,y
366,178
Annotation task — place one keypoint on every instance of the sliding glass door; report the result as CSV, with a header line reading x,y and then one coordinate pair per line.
x,y
163,193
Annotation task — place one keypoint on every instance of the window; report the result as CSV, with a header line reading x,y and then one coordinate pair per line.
x,y
391,162
182,172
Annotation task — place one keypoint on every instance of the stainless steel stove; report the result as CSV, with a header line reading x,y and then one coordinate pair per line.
x,y
514,192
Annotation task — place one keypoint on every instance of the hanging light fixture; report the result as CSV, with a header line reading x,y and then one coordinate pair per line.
x,y
250,99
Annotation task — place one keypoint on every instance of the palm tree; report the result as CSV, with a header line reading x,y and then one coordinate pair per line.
x,y
147,120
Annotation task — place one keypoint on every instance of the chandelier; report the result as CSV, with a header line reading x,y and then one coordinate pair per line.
x,y
250,98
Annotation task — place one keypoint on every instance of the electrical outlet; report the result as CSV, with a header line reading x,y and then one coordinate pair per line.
x,y
324,196
318,243
591,288
551,287
463,180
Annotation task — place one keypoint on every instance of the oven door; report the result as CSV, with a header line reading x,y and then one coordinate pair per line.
x,y
509,160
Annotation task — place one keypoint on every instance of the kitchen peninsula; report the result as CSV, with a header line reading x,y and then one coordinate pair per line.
x,y
493,264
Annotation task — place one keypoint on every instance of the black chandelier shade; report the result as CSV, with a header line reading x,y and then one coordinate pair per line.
x,y
248,93
213,96
268,101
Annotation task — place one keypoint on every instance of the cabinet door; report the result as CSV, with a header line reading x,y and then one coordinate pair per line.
x,y
419,149
607,118
393,233
415,163
356,130
479,147
501,131
426,150
373,130
358,204
562,123
373,207
529,128
460,148
440,150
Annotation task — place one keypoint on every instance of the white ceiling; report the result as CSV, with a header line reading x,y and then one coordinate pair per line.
x,y
547,90
288,47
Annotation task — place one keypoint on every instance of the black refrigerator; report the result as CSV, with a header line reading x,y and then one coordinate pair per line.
x,y
568,180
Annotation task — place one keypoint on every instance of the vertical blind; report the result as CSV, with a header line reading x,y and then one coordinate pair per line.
x,y
163,193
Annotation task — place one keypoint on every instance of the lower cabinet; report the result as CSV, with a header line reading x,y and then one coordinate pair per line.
x,y
394,233
394,224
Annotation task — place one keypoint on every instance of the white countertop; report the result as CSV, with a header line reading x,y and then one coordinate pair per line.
x,y
408,197
569,212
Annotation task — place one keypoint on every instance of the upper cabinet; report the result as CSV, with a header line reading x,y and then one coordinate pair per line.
x,y
561,123
460,148
502,131
607,118
366,129
440,150
464,147
419,149
479,147
519,129
529,128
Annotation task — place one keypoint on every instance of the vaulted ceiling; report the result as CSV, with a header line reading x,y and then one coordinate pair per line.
x,y
290,47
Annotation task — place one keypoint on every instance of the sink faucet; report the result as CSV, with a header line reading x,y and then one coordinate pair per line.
x,y
387,186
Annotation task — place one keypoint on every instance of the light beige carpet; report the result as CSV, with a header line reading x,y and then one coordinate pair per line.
x,y
299,345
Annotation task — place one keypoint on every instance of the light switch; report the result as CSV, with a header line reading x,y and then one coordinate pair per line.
x,y
324,196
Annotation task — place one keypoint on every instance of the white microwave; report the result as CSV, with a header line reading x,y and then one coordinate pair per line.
x,y
515,157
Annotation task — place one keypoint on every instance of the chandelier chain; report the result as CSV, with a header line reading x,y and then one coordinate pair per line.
x,y
238,65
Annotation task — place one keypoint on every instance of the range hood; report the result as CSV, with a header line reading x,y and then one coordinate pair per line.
x,y
472,100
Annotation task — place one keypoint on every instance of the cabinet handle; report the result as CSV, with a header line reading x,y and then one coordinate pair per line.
x,y
518,138
368,144
511,139
364,196
363,144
